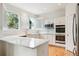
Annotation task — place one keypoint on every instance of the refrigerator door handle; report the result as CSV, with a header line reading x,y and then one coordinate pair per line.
x,y
74,27
74,32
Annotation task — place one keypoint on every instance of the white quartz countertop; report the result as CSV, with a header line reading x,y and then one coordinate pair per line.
x,y
24,41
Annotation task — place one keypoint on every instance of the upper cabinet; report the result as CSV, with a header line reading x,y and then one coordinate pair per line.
x,y
70,8
60,21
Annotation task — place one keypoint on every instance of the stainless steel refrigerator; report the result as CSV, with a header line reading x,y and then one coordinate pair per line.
x,y
72,28
75,31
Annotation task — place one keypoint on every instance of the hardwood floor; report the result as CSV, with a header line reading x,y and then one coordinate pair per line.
x,y
58,51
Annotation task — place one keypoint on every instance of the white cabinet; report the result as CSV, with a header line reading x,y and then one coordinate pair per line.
x,y
43,36
70,10
18,50
60,21
69,35
50,37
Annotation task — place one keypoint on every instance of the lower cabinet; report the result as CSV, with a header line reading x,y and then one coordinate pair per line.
x,y
49,37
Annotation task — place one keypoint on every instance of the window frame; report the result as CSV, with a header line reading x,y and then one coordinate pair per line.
x,y
19,19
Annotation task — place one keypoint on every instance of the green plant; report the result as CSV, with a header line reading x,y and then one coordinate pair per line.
x,y
12,20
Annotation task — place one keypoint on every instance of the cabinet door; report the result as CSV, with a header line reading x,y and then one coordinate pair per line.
x,y
60,20
51,39
69,33
70,8
43,36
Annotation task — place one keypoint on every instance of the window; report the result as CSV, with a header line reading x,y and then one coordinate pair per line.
x,y
12,20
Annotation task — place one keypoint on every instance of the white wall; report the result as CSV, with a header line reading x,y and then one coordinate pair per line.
x,y
0,16
53,14
22,13
23,20
50,18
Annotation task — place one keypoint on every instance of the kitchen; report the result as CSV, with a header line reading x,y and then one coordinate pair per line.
x,y
51,25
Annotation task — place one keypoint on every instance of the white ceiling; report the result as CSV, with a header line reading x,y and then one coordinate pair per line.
x,y
39,8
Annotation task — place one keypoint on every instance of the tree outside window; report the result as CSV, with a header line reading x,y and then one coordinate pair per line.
x,y
12,20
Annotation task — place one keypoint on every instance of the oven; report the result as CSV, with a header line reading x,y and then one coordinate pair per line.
x,y
60,39
60,28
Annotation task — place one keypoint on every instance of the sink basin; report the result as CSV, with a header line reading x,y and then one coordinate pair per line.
x,y
23,36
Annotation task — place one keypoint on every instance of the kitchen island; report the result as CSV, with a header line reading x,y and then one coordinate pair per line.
x,y
24,46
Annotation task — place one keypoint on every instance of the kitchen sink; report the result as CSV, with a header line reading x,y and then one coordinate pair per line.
x,y
23,36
